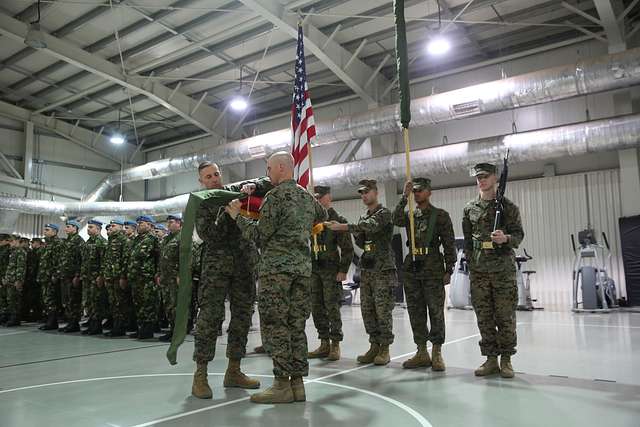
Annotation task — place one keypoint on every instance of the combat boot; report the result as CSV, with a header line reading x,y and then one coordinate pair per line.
x,y
116,331
72,326
383,356
506,370
200,387
52,323
166,337
371,354
235,378
3,319
489,367
135,334
279,392
95,327
322,351
297,387
146,331
334,354
437,364
13,321
420,360
259,350
108,324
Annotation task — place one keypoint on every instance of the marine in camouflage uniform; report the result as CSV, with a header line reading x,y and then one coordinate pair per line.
x,y
373,233
283,233
426,277
92,280
228,269
49,277
168,270
492,271
141,272
69,271
5,250
330,264
14,280
114,275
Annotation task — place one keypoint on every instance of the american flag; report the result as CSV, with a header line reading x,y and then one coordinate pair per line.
x,y
302,124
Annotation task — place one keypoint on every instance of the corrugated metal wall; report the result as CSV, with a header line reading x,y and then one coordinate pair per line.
x,y
551,208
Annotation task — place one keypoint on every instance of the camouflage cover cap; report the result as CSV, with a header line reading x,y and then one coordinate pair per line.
x,y
420,184
321,190
367,185
483,169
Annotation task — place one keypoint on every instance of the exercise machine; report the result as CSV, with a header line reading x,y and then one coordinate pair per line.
x,y
460,289
591,281
523,279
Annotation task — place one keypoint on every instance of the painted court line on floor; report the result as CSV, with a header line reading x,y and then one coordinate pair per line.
x,y
15,333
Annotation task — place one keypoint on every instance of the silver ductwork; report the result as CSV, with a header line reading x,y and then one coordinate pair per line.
x,y
584,77
546,144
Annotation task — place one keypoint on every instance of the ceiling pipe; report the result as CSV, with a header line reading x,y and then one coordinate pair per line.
x,y
587,76
546,144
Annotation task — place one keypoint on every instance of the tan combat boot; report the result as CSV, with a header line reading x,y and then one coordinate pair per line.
x,y
334,354
383,356
279,392
506,370
419,360
200,387
322,351
235,378
437,364
371,354
259,350
489,367
297,387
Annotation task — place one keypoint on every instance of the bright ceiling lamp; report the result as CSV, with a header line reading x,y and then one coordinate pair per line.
x,y
117,139
438,46
239,103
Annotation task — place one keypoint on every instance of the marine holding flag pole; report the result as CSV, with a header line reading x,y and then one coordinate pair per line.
x,y
402,62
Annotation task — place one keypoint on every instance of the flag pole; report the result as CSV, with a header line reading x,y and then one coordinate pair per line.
x,y
402,61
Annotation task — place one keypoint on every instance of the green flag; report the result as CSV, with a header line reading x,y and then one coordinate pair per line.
x,y
212,198
402,63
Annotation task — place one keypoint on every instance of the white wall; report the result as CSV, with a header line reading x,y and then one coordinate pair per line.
x,y
552,209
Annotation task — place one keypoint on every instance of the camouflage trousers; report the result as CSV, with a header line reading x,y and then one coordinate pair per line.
x,y
376,304
326,294
425,301
96,299
4,304
71,299
212,292
283,302
50,297
168,299
14,300
32,301
119,301
494,297
145,299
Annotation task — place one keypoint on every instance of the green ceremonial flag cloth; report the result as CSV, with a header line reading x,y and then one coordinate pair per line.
x,y
211,198
402,63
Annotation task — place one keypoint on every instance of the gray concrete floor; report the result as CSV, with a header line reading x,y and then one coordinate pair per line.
x,y
581,370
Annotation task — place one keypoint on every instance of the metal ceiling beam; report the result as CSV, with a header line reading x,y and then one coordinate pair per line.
x,y
70,194
328,51
609,10
178,103
76,134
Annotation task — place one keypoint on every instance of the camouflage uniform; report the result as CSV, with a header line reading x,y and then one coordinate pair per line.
x,y
423,281
373,233
32,298
16,272
326,293
492,272
91,269
282,233
168,269
141,271
69,268
196,269
5,251
49,276
113,269
228,268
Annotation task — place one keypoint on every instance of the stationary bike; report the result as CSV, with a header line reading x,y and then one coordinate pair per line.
x,y
523,279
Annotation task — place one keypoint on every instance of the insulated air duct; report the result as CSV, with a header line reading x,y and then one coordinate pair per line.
x,y
565,141
589,76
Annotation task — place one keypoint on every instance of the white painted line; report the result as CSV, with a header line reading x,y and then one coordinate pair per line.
x,y
422,420
14,333
579,324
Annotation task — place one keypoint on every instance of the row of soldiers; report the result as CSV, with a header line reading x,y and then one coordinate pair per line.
x,y
129,280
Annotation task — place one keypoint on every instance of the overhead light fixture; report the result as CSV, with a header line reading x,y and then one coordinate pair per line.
x,y
35,36
117,139
239,103
438,46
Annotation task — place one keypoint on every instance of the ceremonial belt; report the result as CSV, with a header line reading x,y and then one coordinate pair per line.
x,y
422,251
369,247
479,244
319,248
